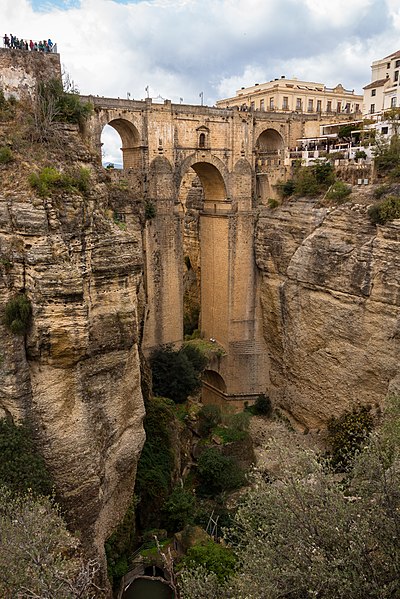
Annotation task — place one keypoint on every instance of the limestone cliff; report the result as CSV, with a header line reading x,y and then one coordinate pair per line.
x,y
76,374
330,291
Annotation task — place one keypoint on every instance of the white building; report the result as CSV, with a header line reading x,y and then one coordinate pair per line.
x,y
383,92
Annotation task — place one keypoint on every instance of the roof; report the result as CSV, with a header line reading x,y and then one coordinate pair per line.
x,y
377,83
394,55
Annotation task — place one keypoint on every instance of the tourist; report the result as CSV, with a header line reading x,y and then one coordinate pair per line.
x,y
6,41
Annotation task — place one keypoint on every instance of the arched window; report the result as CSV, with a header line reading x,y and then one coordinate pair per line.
x,y
202,140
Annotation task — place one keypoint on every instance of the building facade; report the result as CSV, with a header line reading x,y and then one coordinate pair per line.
x,y
292,95
383,92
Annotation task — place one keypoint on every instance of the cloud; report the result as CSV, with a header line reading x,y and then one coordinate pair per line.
x,y
182,47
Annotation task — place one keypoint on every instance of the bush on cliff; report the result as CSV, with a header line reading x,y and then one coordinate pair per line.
x,y
22,469
155,467
50,179
174,373
384,211
17,314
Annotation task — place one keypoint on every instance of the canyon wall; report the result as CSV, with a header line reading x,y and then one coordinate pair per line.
x,y
330,293
75,375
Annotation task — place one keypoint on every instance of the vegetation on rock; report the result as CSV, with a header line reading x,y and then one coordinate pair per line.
x,y
50,179
17,314
176,373
22,469
385,210
304,532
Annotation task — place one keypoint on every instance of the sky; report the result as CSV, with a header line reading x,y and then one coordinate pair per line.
x,y
180,48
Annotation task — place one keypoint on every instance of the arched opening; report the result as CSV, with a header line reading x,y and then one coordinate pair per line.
x,y
202,140
111,151
202,189
269,162
126,134
215,380
269,141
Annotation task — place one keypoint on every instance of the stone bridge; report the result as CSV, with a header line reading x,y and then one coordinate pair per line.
x,y
205,171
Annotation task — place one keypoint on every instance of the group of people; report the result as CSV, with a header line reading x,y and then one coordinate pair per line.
x,y
21,44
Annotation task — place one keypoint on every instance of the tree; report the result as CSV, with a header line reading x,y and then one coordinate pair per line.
x,y
39,558
174,375
308,533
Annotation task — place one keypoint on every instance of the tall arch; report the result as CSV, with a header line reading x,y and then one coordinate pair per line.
x,y
131,146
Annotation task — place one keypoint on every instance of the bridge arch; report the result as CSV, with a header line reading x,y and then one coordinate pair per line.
x,y
212,173
131,142
270,140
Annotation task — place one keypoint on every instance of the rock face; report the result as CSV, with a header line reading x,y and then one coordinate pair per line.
x,y
76,374
330,291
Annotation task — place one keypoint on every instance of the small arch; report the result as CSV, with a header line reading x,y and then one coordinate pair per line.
x,y
215,380
270,140
202,140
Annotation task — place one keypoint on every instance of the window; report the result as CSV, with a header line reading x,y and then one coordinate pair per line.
x,y
202,140
347,109
271,103
388,65
298,103
262,104
397,65
396,75
373,92
285,102
319,105
329,106
357,108
339,107
310,105
252,105
385,130
372,108
393,102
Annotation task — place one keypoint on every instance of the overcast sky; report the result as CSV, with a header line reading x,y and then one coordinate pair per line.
x,y
180,48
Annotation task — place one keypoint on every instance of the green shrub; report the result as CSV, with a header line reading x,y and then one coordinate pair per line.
x,y
386,210
155,467
173,374
195,356
17,314
339,191
7,107
287,188
179,509
306,183
273,203
22,469
50,179
191,316
209,417
120,546
56,104
149,210
6,155
360,154
380,191
213,557
262,405
218,473
347,434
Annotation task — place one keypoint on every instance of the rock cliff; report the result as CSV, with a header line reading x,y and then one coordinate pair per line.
x,y
76,374
330,292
